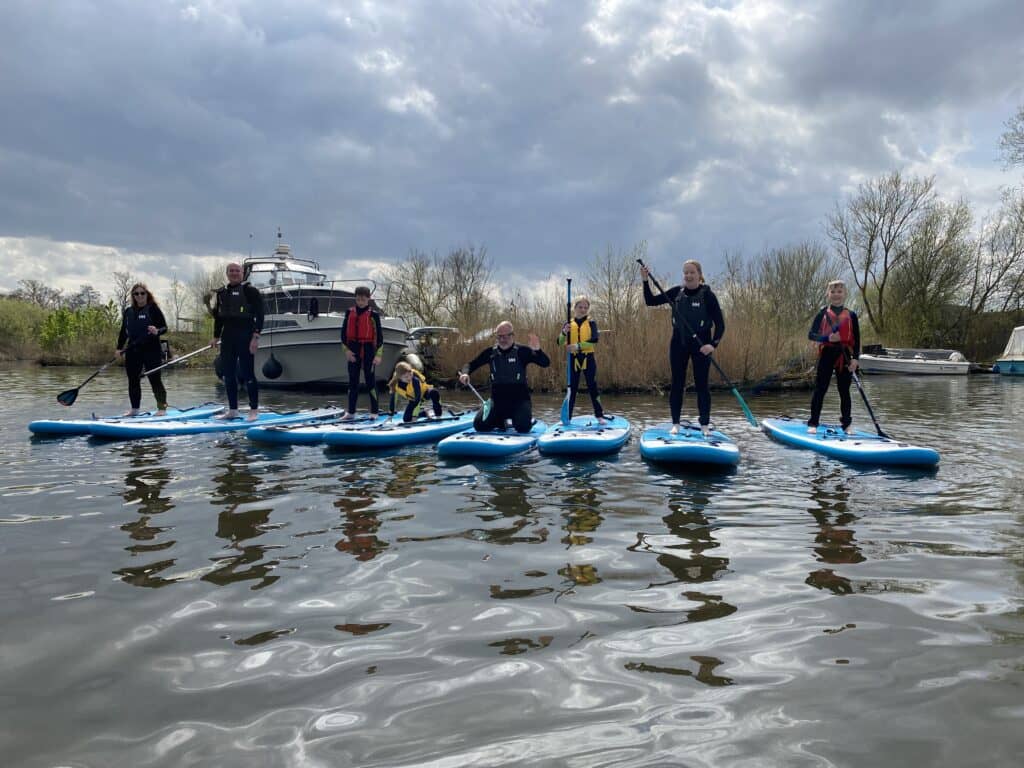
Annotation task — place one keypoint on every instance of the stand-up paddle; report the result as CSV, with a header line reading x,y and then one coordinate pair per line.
x,y
736,392
68,396
485,405
175,361
568,352
864,397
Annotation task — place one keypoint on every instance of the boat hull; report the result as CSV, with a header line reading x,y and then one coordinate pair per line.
x,y
1009,367
875,364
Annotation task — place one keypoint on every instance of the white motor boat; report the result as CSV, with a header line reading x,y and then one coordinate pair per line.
x,y
1011,362
947,362
303,312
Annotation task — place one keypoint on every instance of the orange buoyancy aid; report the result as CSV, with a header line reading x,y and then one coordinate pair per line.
x,y
405,389
359,326
842,324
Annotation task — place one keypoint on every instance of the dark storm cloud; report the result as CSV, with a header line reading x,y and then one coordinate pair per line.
x,y
546,131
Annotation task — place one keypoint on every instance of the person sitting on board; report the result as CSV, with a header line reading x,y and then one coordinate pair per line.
x,y
510,394
697,328
362,336
581,335
237,325
837,333
412,385
142,325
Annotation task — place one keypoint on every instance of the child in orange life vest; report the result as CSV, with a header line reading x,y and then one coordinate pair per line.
x,y
837,332
581,335
363,340
412,385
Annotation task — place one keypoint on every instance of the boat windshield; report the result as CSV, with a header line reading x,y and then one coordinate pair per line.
x,y
277,275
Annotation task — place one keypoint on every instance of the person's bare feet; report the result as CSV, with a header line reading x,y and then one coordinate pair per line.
x,y
254,413
229,414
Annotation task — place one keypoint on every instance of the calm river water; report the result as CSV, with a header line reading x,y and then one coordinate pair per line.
x,y
203,601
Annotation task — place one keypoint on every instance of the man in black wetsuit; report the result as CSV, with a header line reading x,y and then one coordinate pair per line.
x,y
237,324
510,394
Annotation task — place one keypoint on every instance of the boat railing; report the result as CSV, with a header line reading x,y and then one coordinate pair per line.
x,y
326,297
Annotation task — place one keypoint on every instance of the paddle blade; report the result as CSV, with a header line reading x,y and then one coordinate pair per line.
x,y
565,409
486,408
68,396
745,407
272,369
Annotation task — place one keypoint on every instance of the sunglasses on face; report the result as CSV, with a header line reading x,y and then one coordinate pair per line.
x,y
138,293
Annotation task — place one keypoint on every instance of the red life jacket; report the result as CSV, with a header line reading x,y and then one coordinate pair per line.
x,y
841,324
359,327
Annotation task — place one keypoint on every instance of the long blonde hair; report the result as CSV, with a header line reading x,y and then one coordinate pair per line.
x,y
401,369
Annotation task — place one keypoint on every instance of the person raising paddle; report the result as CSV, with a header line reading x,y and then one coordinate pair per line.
x,y
510,394
697,328
837,333
142,325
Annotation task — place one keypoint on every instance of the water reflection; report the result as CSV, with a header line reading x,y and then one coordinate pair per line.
x,y
835,541
144,488
360,522
682,551
236,490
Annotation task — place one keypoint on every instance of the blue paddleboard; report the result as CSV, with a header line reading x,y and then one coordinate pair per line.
x,y
84,426
396,433
584,436
689,446
490,445
122,431
859,447
310,434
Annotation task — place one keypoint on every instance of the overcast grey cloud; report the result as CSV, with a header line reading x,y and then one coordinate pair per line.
x,y
157,134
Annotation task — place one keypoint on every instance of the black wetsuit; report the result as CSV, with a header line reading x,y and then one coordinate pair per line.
x,y
833,357
364,352
144,352
510,394
701,311
238,316
583,362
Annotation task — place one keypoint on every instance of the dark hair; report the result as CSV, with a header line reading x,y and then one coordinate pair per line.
x,y
362,290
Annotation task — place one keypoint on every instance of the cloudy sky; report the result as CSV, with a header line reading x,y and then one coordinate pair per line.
x,y
156,135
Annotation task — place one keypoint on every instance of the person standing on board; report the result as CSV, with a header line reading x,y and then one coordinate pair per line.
x,y
510,394
362,336
697,328
237,324
142,325
837,333
581,335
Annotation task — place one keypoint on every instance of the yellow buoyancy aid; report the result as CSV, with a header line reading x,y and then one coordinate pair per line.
x,y
406,390
580,333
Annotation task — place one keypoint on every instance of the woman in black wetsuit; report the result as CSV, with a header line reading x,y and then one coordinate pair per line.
x,y
142,325
697,328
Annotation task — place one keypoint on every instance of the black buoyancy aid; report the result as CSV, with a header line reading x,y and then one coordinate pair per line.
x,y
136,323
505,366
407,391
232,303
359,326
690,314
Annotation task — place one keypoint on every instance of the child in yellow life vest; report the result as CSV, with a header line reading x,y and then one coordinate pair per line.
x,y
412,385
581,335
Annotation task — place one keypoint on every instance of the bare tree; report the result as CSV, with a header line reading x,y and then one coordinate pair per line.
x,y
1011,143
123,282
872,233
927,282
996,279
465,279
178,296
85,298
201,289
422,296
39,293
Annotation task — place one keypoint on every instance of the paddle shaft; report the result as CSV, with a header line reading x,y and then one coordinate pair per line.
x,y
864,397
176,360
568,352
68,396
711,357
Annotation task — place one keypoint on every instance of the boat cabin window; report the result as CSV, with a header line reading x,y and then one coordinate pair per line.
x,y
273,276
